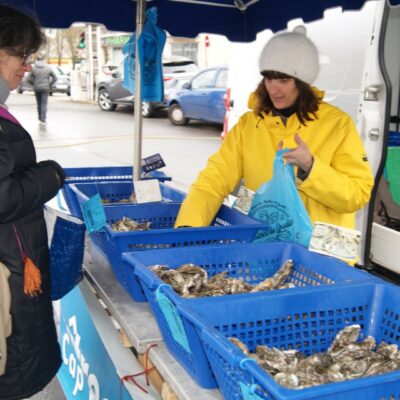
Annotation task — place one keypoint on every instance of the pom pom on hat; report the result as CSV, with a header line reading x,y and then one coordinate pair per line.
x,y
291,53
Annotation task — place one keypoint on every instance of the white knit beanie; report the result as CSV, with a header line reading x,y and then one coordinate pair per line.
x,y
291,53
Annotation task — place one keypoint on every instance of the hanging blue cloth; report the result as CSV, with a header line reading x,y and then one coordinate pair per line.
x,y
129,63
151,44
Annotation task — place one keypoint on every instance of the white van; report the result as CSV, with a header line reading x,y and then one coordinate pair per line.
x,y
359,71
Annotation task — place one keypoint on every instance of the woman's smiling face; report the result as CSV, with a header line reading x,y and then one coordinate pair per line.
x,y
282,91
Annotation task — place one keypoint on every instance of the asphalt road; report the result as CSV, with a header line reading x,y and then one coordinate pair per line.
x,y
79,134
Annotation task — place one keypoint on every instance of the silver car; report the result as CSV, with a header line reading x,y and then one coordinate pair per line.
x,y
176,71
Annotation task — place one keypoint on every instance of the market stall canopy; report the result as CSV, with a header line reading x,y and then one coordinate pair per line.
x,y
239,20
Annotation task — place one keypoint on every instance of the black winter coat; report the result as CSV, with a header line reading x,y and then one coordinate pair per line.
x,y
25,185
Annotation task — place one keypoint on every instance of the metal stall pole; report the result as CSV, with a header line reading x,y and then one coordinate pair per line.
x,y
137,158
90,58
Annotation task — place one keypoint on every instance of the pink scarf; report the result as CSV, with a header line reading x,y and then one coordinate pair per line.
x,y
5,114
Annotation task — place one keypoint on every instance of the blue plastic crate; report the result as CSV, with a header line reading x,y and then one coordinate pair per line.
x,y
115,191
307,320
250,262
229,226
98,174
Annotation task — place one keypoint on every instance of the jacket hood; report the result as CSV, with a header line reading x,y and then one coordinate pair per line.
x,y
252,98
39,64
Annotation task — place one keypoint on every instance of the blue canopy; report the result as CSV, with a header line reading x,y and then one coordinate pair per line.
x,y
239,20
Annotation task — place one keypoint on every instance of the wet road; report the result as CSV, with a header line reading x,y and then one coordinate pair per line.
x,y
79,134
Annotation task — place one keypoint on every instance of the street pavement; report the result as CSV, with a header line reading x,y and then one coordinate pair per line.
x,y
79,134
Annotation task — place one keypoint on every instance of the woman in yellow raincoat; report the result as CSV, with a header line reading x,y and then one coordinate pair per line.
x,y
334,177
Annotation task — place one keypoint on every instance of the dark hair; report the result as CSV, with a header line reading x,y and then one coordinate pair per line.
x,y
19,32
306,104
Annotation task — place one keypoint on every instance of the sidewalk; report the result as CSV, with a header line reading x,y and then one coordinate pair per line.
x,y
52,391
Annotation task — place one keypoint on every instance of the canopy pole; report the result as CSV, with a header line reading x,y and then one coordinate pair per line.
x,y
137,151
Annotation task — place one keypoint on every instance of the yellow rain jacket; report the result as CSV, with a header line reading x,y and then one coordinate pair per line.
x,y
339,183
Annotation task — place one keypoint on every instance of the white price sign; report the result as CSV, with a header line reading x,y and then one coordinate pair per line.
x,y
147,191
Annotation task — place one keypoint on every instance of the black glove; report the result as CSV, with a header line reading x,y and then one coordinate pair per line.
x,y
58,170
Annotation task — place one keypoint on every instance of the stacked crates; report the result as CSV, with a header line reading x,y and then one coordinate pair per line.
x,y
229,226
98,174
251,262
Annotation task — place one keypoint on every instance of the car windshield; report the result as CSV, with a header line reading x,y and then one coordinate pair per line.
x,y
175,83
170,67
58,71
177,67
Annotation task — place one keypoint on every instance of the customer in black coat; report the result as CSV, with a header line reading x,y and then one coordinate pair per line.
x,y
33,354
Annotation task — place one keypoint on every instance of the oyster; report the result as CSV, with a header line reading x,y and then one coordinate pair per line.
x,y
239,344
277,280
190,281
288,380
345,359
348,335
186,280
193,276
278,360
127,224
390,351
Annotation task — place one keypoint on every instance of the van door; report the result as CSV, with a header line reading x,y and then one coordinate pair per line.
x,y
380,118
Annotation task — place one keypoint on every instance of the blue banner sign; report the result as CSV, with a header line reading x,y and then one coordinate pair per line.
x,y
87,371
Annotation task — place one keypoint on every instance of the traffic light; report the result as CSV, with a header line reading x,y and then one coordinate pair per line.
x,y
82,44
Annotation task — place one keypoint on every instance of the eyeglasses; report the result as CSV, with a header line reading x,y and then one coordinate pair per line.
x,y
27,58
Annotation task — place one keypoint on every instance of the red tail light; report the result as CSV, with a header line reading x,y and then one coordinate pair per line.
x,y
227,99
227,102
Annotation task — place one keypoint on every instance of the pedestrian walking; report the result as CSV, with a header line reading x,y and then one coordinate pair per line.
x,y
42,78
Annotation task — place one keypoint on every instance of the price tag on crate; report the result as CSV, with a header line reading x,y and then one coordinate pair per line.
x,y
147,191
173,319
93,214
248,392
152,163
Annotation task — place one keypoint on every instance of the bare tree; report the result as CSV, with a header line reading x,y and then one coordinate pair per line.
x,y
59,44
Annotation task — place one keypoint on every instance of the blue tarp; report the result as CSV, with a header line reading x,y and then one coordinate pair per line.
x,y
187,19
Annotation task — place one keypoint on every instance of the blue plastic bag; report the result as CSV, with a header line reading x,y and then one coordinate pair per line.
x,y
66,243
278,204
129,51
150,47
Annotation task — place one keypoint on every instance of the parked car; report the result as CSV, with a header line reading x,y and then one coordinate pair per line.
x,y
176,71
62,84
105,71
202,98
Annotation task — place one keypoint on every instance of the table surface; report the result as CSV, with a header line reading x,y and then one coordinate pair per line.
x,y
140,327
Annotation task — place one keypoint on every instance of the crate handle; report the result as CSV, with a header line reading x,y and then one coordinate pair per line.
x,y
243,360
159,288
59,202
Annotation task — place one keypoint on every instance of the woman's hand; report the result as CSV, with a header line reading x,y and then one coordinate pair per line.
x,y
299,156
